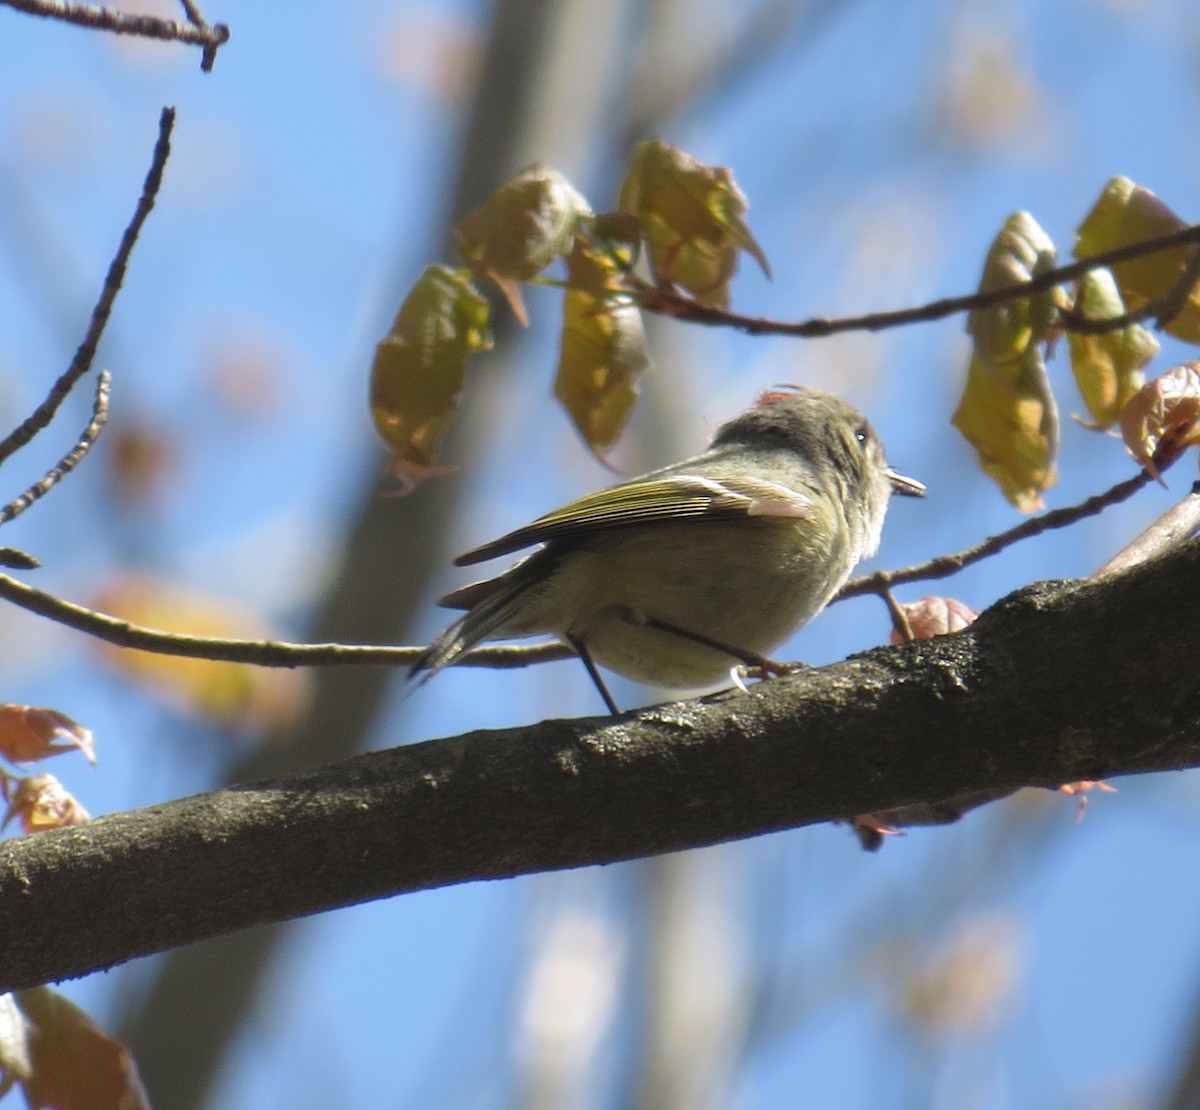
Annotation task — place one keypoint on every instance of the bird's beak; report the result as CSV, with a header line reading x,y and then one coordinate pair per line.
x,y
909,487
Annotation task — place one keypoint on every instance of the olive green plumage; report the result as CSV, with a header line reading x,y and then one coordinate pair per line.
x,y
738,546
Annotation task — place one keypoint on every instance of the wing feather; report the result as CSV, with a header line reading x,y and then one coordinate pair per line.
x,y
681,497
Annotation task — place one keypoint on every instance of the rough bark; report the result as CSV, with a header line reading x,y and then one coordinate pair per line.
x,y
1061,681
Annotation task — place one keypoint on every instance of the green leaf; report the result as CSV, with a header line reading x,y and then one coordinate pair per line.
x,y
618,235
417,376
1108,366
1126,213
1007,411
692,218
602,352
523,227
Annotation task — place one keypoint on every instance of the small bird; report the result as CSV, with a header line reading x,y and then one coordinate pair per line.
x,y
676,577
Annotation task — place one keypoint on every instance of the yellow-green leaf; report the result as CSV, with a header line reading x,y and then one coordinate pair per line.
x,y
523,227
1126,213
1011,422
417,376
238,695
618,236
1108,366
692,216
1162,420
1007,411
602,351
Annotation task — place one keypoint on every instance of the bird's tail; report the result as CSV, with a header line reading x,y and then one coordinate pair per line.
x,y
489,606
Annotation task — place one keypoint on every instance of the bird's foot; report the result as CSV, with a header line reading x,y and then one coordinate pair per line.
x,y
761,670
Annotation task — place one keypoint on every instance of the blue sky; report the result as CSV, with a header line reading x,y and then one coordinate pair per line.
x,y
881,147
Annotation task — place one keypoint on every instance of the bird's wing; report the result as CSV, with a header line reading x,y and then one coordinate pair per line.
x,y
679,497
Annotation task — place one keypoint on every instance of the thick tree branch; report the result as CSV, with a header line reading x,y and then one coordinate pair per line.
x,y
1180,522
1059,682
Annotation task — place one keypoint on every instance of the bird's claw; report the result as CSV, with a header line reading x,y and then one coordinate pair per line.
x,y
762,670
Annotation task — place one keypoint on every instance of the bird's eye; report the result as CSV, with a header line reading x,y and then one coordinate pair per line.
x,y
860,433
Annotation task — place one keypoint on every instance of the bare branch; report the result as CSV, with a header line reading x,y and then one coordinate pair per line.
x,y
16,559
1178,523
262,653
71,459
900,621
192,12
945,565
667,301
1059,682
217,35
1164,309
195,31
275,653
84,356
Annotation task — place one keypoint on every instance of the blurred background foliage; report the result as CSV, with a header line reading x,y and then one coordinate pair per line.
x,y
1018,959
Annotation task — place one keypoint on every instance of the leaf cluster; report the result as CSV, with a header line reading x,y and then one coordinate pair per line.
x,y
49,1047
681,222
1008,410
672,245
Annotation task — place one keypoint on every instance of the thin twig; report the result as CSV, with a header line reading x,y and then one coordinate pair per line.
x,y
82,362
900,621
945,565
195,32
262,653
71,459
1164,309
1079,324
210,48
1178,523
271,653
193,13
667,301
16,559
